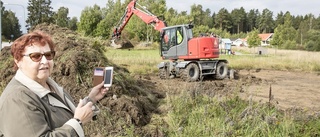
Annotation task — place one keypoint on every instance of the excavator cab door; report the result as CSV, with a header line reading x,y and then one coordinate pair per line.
x,y
167,40
173,43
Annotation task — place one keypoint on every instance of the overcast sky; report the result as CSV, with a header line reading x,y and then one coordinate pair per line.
x,y
295,7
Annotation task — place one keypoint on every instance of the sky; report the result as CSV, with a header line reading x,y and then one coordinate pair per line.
x,y
295,7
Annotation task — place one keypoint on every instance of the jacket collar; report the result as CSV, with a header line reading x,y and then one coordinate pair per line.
x,y
40,91
31,84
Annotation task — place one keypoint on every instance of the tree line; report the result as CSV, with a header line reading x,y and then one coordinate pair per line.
x,y
290,31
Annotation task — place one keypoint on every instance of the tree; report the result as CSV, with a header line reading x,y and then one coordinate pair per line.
x,y
313,41
208,20
111,15
279,19
158,8
284,33
136,28
10,25
297,20
238,18
317,23
302,32
252,19
197,14
222,19
198,30
213,18
72,24
266,23
61,17
253,39
39,11
89,19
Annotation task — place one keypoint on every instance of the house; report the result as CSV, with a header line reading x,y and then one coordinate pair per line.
x,y
225,45
239,42
265,38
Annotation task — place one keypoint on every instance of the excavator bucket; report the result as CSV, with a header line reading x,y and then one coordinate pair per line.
x,y
115,43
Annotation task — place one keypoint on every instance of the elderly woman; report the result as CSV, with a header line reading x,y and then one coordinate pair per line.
x,y
33,104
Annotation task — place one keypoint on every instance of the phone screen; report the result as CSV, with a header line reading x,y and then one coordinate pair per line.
x,y
107,78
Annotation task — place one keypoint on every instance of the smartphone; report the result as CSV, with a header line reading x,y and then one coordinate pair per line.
x,y
108,75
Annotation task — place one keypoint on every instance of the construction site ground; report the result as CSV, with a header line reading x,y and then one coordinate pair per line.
x,y
133,100
288,89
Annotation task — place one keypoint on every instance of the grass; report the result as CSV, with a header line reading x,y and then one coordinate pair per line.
x,y
136,61
145,61
231,116
276,59
203,115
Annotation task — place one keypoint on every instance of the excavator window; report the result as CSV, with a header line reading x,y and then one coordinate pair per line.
x,y
171,37
166,40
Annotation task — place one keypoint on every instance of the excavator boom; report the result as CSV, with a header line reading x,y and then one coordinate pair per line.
x,y
143,14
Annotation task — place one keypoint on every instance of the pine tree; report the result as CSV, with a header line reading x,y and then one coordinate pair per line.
x,y
40,11
61,17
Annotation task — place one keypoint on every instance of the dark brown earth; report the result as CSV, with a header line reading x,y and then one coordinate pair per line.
x,y
135,100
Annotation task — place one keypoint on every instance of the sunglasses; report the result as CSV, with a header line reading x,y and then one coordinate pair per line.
x,y
37,56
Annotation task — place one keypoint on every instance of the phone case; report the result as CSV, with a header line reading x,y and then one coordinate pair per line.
x,y
98,75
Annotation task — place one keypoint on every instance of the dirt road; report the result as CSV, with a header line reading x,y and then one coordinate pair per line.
x,y
289,89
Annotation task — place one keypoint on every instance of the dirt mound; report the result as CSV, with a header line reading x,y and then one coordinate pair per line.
x,y
6,67
129,101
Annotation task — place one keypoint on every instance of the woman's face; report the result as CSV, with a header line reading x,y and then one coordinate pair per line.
x,y
36,70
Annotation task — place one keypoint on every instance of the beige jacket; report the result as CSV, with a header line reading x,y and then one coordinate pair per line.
x,y
27,109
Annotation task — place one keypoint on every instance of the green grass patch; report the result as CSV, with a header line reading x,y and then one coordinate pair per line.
x,y
136,61
206,116
146,61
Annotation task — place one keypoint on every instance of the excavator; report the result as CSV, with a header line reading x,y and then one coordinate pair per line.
x,y
188,57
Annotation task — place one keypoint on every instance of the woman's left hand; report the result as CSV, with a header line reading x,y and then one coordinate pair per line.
x,y
98,92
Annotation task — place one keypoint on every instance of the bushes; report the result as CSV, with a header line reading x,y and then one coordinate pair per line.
x,y
312,46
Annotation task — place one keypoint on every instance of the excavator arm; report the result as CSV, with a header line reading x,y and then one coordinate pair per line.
x,y
143,14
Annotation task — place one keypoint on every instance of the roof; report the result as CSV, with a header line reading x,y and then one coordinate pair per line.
x,y
226,40
265,36
234,39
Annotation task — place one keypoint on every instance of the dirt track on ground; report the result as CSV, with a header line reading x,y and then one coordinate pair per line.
x,y
288,89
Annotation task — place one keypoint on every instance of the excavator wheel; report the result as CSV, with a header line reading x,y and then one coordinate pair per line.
x,y
191,73
221,71
164,73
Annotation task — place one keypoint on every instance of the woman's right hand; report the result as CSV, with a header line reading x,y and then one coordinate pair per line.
x,y
84,112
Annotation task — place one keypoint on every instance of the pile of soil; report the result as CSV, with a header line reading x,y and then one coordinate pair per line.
x,y
129,101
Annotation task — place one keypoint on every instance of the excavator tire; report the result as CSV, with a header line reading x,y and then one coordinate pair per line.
x,y
163,73
221,71
191,73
